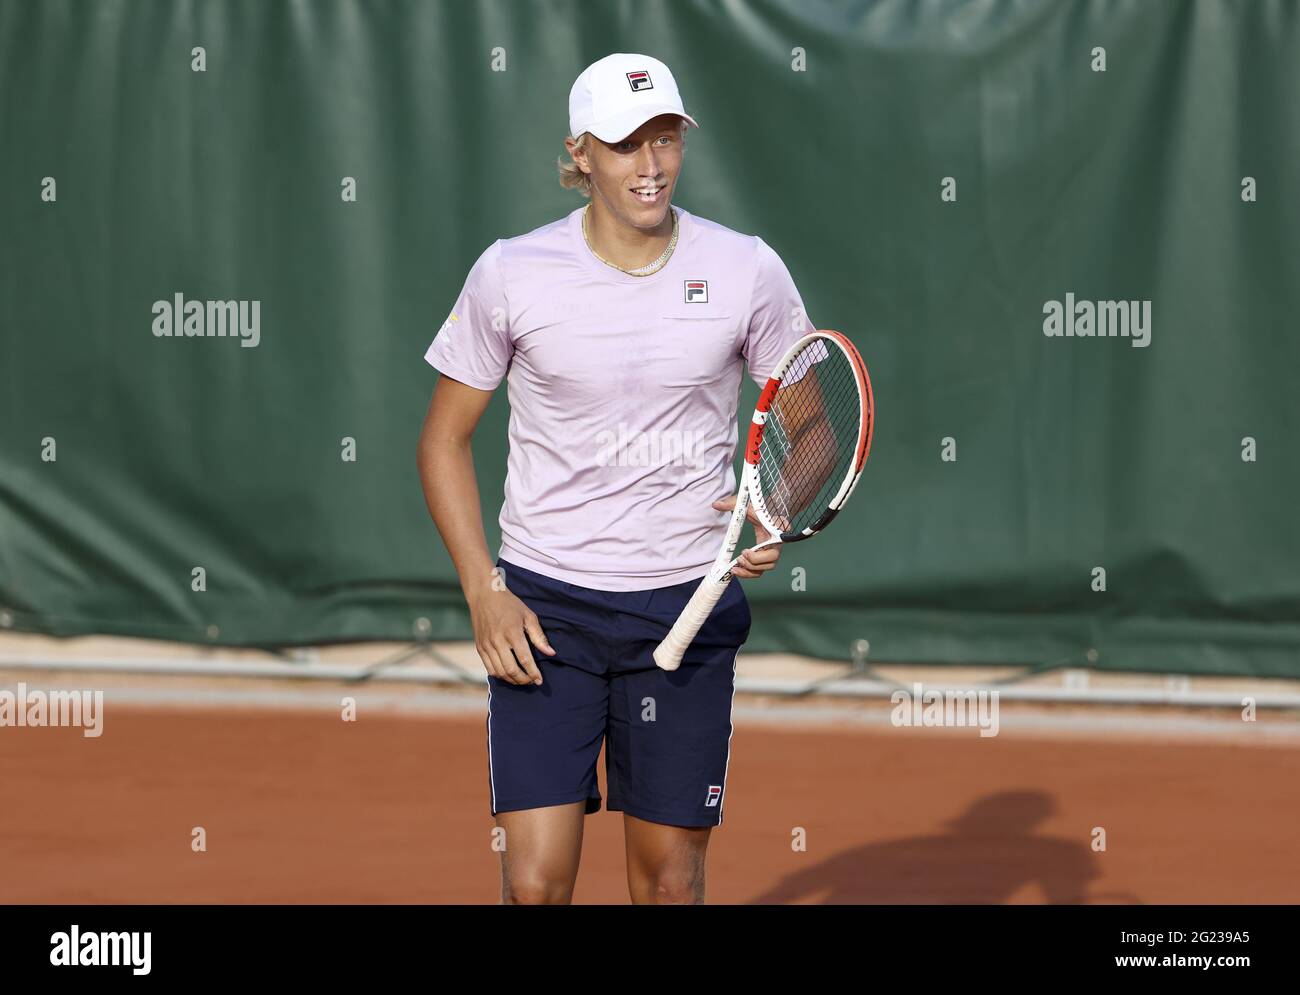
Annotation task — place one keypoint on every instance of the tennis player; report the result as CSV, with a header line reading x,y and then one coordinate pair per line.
x,y
621,330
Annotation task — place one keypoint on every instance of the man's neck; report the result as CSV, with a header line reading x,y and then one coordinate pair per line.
x,y
622,244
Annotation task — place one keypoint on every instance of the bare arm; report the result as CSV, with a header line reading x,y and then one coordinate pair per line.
x,y
503,625
811,444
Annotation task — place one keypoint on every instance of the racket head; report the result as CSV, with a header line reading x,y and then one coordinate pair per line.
x,y
810,435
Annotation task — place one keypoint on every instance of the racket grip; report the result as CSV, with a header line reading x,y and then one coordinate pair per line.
x,y
668,655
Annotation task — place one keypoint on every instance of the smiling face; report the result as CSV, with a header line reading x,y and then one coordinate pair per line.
x,y
634,178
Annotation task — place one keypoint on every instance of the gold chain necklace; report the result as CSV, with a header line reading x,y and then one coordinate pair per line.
x,y
648,268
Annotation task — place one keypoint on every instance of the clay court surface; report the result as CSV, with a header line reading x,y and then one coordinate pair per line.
x,y
300,806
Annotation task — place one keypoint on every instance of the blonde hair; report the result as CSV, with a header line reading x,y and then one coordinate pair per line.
x,y
573,178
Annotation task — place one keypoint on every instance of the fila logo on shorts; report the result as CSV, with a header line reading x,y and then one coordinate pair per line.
x,y
715,794
697,291
640,80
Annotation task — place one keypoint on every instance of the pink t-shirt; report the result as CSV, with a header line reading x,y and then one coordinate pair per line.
x,y
623,393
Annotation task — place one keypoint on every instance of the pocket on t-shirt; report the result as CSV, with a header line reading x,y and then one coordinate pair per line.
x,y
695,346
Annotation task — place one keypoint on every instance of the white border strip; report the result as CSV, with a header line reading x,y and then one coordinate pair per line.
x,y
780,687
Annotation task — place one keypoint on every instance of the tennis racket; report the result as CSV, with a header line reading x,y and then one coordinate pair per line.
x,y
808,441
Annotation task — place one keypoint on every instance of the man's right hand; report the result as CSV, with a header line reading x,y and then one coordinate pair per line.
x,y
503,627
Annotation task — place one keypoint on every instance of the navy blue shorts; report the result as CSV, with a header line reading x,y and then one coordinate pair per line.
x,y
667,736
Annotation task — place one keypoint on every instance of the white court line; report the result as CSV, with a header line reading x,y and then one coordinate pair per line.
x,y
1268,730
848,688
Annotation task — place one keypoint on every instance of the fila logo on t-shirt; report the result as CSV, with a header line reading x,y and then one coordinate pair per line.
x,y
715,793
697,291
640,80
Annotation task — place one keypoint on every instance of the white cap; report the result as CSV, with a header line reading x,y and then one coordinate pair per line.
x,y
621,92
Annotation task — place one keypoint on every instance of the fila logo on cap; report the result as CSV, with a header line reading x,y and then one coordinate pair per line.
x,y
697,291
640,80
715,793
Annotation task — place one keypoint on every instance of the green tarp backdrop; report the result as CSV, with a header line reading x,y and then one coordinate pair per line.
x,y
933,174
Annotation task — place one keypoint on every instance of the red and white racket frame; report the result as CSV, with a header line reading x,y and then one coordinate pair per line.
x,y
668,655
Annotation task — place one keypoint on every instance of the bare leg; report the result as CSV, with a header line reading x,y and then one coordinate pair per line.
x,y
665,864
540,862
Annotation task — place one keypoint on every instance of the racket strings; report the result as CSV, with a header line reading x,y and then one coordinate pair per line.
x,y
810,440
